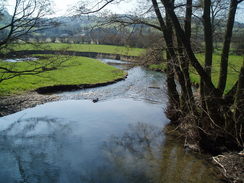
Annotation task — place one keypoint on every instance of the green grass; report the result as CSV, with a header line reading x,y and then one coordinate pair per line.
x,y
122,50
75,70
235,63
158,67
85,70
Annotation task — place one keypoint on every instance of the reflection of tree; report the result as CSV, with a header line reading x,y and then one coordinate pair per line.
x,y
141,155
36,151
33,154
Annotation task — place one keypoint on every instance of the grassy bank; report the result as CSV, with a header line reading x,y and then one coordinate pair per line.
x,y
73,71
235,63
122,50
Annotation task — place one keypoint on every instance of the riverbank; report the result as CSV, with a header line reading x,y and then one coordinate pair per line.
x,y
76,73
16,103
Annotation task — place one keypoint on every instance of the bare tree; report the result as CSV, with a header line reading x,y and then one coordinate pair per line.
x,y
26,18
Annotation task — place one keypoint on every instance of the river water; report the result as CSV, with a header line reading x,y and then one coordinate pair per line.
x,y
118,139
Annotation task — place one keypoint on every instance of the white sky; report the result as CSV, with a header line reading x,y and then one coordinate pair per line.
x,y
62,7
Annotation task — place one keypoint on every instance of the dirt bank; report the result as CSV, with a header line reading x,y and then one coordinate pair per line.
x,y
12,104
61,88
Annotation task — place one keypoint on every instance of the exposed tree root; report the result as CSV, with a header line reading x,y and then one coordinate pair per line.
x,y
231,165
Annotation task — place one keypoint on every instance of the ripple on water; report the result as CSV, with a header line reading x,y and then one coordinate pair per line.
x,y
140,84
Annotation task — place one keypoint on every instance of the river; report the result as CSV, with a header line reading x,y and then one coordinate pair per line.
x,y
118,139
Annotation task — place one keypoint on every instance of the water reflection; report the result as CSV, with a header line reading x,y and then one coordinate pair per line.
x,y
25,153
63,141
143,155
100,148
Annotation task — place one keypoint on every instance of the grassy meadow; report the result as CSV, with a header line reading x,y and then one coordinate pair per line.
x,y
73,71
235,63
80,70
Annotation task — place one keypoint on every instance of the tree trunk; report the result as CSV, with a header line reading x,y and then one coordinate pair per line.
x,y
172,91
188,16
185,59
208,37
226,46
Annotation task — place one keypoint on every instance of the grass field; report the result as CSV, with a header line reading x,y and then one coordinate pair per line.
x,y
75,70
122,50
235,63
233,70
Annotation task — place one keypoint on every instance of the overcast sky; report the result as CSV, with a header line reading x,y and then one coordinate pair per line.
x,y
61,7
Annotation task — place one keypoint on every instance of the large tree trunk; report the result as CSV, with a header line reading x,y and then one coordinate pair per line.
x,y
171,57
226,46
208,37
181,66
185,59
172,91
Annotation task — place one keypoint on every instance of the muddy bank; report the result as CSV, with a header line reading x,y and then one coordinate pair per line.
x,y
62,88
72,53
13,104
